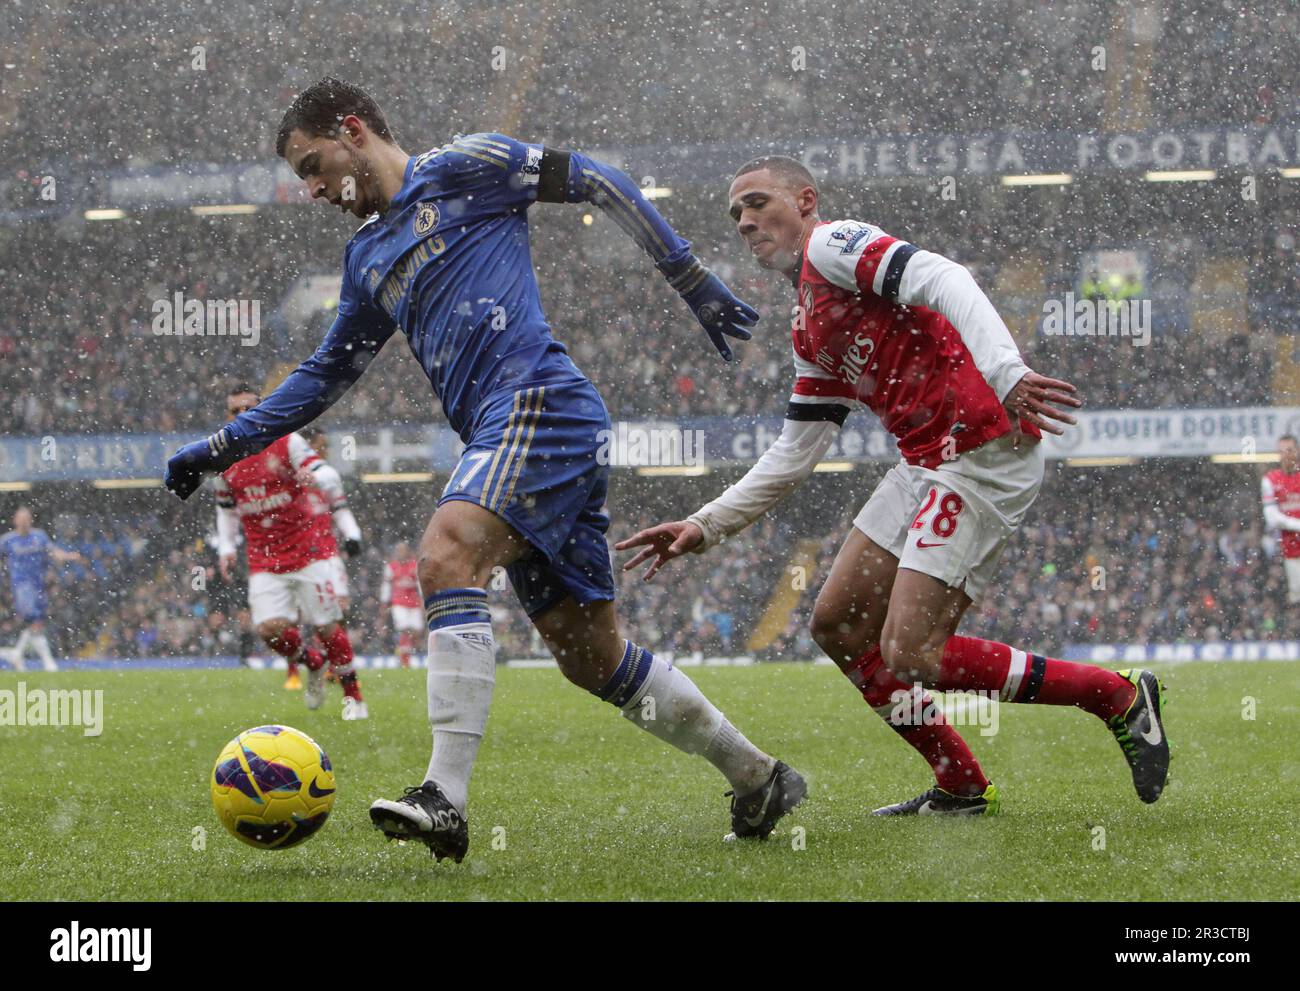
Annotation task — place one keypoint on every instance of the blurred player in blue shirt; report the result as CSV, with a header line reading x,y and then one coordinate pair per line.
x,y
444,256
27,554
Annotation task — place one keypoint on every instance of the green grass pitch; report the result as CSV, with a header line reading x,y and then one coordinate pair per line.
x,y
570,802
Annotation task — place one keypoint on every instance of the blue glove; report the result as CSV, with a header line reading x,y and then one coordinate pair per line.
x,y
714,305
185,468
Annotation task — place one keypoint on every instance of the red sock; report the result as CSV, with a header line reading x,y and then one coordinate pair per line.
x,y
404,648
920,722
338,649
289,646
287,643
983,665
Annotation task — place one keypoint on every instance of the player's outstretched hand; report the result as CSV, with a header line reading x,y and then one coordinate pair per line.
x,y
663,543
1036,398
721,313
185,468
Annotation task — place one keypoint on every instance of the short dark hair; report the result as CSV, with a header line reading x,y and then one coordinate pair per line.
x,y
310,433
784,167
320,108
239,388
1290,437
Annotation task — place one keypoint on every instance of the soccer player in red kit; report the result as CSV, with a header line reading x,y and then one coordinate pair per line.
x,y
346,531
400,589
1280,493
290,539
907,334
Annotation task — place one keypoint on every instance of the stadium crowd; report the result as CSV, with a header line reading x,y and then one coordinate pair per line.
x,y
1177,554
208,76
102,368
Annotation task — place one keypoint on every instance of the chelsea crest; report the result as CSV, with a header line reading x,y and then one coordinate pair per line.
x,y
426,219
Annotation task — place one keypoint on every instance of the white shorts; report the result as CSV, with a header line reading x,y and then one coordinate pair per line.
x,y
1292,565
408,618
952,522
308,595
340,577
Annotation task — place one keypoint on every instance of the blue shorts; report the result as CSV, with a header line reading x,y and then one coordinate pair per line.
x,y
30,602
532,460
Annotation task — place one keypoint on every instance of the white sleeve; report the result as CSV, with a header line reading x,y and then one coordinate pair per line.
x,y
227,517
347,523
302,454
227,531
1279,520
386,586
1273,516
328,480
940,284
782,469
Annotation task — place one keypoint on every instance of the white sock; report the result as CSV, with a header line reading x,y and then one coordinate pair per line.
x,y
20,648
462,674
42,646
670,707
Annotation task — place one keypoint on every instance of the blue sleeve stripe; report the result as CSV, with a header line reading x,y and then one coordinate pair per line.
x,y
484,149
619,205
482,158
487,141
617,200
690,279
894,273
626,222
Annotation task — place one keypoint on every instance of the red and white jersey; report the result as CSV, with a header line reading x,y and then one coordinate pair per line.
x,y
286,522
1282,490
401,585
870,330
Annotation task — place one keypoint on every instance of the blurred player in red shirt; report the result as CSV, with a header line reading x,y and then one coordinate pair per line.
x,y
346,531
1280,493
400,589
289,536
907,334
326,478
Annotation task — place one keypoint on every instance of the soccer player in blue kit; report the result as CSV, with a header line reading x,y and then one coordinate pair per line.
x,y
444,255
27,552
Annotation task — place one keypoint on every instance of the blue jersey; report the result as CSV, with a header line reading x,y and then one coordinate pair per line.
x,y
27,557
449,263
